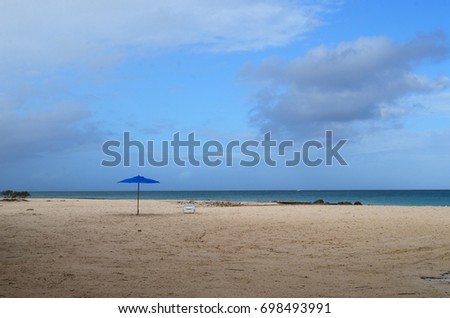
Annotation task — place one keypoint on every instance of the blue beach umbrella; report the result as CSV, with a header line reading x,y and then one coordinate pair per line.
x,y
138,179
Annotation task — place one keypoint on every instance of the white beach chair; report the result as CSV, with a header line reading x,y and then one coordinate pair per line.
x,y
189,208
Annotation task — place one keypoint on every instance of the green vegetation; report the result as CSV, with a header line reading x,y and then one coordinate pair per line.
x,y
14,195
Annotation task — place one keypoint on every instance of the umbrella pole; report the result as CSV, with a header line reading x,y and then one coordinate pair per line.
x,y
138,200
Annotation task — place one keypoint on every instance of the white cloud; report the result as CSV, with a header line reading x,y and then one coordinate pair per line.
x,y
39,39
51,32
333,87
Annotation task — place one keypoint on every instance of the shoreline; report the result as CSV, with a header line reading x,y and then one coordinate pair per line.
x,y
100,248
186,201
367,197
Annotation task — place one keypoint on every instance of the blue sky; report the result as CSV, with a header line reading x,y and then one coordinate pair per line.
x,y
74,76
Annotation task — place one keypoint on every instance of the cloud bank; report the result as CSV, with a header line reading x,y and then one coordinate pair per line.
x,y
26,134
53,38
51,32
351,82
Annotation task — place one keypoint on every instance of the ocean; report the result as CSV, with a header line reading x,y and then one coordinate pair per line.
x,y
372,197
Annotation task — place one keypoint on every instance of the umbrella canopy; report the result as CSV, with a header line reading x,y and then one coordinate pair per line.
x,y
138,179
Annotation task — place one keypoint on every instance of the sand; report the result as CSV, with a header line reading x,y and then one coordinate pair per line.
x,y
100,248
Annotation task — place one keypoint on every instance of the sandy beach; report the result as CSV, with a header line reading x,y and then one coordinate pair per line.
x,y
100,248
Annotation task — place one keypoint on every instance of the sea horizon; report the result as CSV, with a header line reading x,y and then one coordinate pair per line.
x,y
439,197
